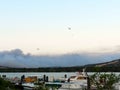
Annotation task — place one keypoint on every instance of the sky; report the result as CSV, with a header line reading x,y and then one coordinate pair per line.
x,y
41,27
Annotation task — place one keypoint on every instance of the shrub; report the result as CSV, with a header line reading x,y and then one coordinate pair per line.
x,y
104,81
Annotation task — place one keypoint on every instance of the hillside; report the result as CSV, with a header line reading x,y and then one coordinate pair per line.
x,y
3,67
113,63
112,66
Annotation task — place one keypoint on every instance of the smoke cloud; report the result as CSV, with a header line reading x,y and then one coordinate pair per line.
x,y
16,58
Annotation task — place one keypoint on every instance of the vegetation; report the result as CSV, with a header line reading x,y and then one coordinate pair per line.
x,y
104,81
41,86
6,85
63,69
112,66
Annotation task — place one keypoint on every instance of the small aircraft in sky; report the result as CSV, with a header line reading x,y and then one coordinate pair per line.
x,y
69,28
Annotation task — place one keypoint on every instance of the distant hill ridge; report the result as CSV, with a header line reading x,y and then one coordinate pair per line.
x,y
114,63
3,67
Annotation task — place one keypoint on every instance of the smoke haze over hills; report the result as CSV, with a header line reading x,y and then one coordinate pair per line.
x,y
16,58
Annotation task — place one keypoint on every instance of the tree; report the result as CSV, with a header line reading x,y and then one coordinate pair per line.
x,y
4,85
104,81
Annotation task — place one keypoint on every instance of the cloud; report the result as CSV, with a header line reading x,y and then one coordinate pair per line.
x,y
113,49
16,58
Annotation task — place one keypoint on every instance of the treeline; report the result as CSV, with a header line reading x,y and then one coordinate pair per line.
x,y
62,69
42,69
103,69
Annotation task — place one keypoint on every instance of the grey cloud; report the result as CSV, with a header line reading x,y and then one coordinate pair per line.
x,y
16,58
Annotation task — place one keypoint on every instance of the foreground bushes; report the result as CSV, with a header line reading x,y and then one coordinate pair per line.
x,y
6,85
104,81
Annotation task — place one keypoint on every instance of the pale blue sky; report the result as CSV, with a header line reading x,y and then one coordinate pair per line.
x,y
43,24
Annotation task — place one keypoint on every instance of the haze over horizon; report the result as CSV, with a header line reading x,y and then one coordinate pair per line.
x,y
16,58
60,27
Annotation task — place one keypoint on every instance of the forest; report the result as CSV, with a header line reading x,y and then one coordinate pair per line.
x,y
63,69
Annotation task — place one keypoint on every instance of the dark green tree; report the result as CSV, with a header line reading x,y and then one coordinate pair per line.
x,y
4,85
104,81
